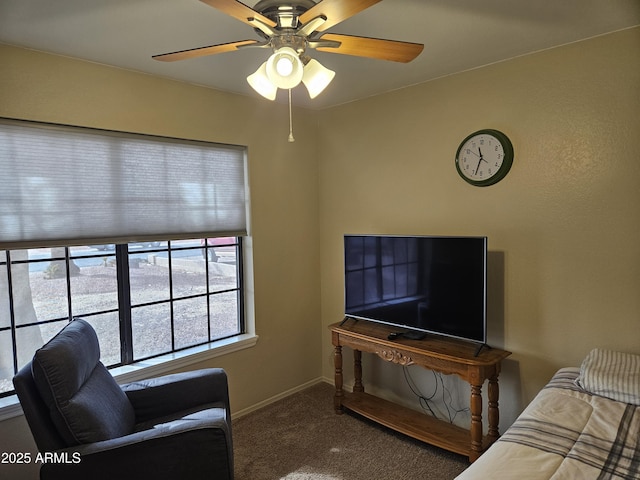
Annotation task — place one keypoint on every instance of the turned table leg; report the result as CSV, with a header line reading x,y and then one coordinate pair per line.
x,y
357,371
493,411
337,361
476,422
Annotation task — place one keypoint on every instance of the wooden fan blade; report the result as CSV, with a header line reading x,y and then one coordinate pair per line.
x,y
239,11
336,11
202,51
372,47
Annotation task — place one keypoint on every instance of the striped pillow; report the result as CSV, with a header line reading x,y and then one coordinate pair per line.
x,y
611,374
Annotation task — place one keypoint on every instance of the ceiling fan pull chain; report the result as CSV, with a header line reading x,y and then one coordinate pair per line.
x,y
291,139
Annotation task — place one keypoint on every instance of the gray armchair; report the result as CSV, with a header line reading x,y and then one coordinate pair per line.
x,y
172,427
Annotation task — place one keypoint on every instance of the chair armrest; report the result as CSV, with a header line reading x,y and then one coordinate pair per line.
x,y
194,450
161,396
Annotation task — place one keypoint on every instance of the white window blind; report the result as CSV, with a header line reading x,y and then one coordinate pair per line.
x,y
70,185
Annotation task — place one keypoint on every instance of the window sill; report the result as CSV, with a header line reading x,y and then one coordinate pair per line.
x,y
10,406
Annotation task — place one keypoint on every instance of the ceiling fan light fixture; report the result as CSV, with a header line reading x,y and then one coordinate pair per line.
x,y
284,69
284,66
292,27
260,82
316,77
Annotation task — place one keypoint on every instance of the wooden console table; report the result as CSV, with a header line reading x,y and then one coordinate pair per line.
x,y
442,354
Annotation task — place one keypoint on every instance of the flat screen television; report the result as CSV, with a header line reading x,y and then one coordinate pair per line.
x,y
429,284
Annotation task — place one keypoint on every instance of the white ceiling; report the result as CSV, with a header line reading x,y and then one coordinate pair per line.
x,y
458,35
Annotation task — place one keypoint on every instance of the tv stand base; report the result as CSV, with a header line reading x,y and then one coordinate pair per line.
x,y
479,349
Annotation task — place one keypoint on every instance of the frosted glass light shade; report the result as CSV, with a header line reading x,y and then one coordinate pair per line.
x,y
284,68
261,83
316,77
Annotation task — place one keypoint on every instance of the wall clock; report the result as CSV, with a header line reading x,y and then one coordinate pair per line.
x,y
484,157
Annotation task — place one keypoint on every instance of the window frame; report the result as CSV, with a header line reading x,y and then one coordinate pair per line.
x,y
218,226
160,363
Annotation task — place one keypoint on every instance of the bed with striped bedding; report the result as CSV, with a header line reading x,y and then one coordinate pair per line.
x,y
569,432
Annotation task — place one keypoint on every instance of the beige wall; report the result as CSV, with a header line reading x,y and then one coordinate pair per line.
x,y
563,227
283,188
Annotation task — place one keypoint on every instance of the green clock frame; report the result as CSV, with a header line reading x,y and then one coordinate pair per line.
x,y
498,156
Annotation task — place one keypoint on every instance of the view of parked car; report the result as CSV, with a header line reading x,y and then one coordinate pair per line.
x,y
215,242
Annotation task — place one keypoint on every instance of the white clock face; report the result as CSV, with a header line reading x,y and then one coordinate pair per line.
x,y
480,157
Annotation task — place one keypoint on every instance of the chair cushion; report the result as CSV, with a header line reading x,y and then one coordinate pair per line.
x,y
85,402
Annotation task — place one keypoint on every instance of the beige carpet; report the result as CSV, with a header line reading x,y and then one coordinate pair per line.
x,y
301,438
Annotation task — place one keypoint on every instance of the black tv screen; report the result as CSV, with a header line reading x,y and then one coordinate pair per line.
x,y
429,284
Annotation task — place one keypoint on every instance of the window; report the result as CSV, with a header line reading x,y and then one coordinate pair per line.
x,y
138,234
143,299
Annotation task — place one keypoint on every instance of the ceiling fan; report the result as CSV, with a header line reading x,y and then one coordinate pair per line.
x,y
290,28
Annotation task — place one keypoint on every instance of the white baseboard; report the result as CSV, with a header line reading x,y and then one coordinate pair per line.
x,y
280,396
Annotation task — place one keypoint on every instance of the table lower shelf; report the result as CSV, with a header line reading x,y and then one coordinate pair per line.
x,y
410,422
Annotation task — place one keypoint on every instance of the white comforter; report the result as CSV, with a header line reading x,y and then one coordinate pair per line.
x,y
565,433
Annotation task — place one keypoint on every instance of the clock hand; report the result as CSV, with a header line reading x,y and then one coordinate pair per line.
x,y
479,161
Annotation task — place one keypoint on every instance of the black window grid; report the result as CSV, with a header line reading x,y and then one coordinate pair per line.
x,y
124,300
